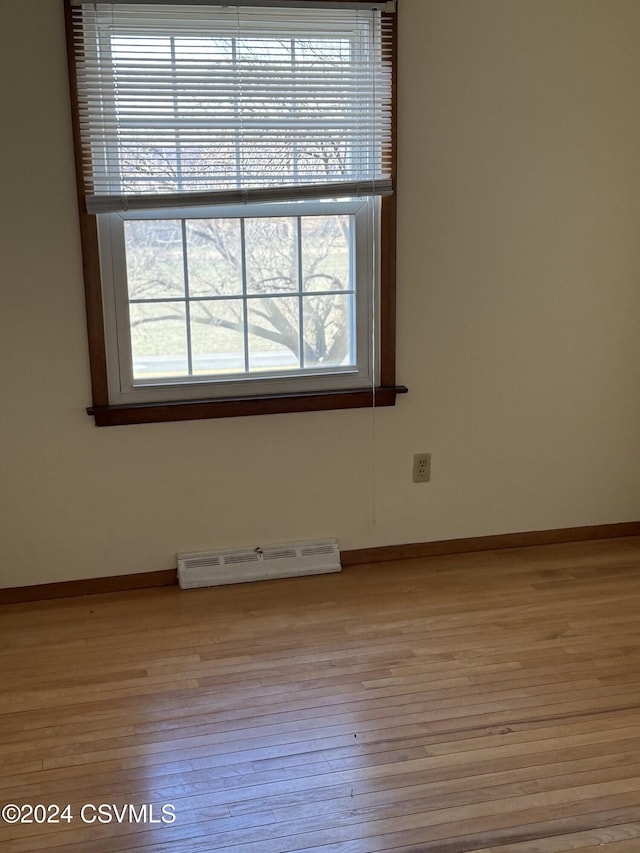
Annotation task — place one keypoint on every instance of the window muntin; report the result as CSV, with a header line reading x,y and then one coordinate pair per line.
x,y
231,301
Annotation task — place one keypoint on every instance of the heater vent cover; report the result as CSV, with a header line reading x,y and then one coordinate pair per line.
x,y
239,565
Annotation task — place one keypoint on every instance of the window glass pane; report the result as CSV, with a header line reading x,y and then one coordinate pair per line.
x,y
206,166
206,100
320,152
203,54
223,321
143,165
272,257
325,253
267,111
148,168
274,333
259,52
214,251
329,339
217,336
158,340
135,58
324,52
155,266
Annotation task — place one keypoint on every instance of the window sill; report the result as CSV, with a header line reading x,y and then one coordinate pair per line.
x,y
148,413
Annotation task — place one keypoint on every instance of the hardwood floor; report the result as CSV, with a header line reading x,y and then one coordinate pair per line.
x,y
463,704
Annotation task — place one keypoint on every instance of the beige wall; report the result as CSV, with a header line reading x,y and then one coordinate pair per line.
x,y
518,317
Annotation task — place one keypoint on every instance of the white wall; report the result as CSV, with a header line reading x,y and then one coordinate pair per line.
x,y
518,317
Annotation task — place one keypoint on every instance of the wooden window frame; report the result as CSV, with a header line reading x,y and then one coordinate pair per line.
x,y
107,414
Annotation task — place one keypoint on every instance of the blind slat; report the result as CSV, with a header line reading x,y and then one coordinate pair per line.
x,y
187,104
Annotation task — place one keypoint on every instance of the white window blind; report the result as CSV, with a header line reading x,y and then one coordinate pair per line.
x,y
185,104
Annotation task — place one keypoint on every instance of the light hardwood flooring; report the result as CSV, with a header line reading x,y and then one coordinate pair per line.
x,y
485,702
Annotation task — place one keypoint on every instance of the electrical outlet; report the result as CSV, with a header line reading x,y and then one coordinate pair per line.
x,y
421,467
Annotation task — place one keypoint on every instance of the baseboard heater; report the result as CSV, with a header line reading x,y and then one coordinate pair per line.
x,y
240,565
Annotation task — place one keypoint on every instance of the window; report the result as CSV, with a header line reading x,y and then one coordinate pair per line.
x,y
235,178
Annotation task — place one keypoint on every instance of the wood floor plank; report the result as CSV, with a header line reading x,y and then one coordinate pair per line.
x,y
626,846
604,837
